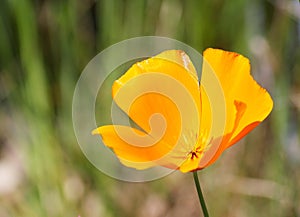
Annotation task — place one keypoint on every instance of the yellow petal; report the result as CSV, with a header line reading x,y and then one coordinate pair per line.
x,y
162,85
190,164
129,146
219,144
180,57
161,95
173,63
233,72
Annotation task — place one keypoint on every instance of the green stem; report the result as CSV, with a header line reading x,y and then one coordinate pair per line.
x,y
200,195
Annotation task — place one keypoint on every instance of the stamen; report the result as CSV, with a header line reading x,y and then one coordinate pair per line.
x,y
194,154
201,145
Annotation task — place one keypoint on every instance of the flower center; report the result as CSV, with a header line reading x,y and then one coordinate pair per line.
x,y
202,144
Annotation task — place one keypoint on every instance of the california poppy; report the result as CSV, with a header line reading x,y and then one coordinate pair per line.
x,y
197,120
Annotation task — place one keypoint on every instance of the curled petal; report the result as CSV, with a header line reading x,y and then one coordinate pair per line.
x,y
138,80
161,96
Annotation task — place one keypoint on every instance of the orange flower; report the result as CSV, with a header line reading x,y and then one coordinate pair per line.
x,y
180,124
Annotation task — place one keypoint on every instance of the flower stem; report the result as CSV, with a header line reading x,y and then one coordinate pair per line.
x,y
200,195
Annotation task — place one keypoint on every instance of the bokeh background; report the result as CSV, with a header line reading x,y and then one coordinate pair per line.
x,y
45,45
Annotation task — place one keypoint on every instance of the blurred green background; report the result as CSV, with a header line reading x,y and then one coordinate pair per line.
x,y
45,45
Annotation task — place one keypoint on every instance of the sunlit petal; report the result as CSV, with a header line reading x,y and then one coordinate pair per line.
x,y
254,102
